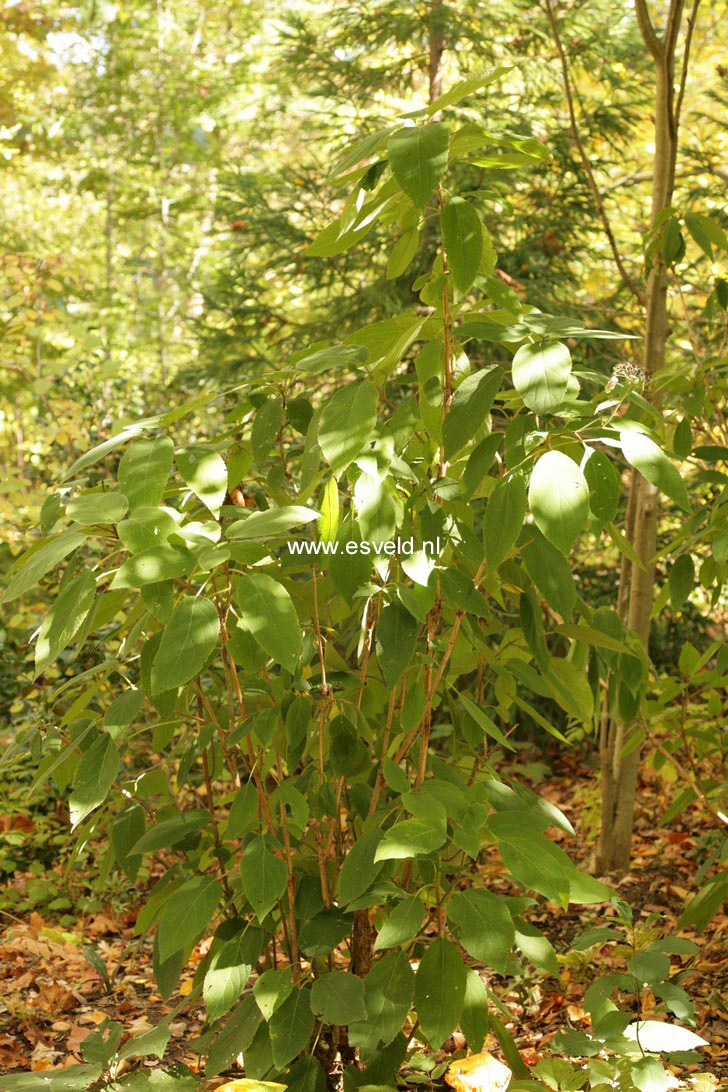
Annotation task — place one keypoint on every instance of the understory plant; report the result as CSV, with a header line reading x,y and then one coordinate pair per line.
x,y
295,634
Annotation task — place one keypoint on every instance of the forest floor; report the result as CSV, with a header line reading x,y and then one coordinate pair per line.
x,y
53,997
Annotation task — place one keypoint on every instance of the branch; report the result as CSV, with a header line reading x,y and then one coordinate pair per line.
x,y
628,280
647,30
692,19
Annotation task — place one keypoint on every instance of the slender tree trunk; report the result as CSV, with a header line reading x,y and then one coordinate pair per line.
x,y
620,771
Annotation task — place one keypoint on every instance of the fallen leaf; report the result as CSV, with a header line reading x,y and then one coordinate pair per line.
x,y
479,1073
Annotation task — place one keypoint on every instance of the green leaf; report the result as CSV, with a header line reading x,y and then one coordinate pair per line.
x,y
418,158
187,643
126,830
264,876
558,497
440,991
504,517
536,947
290,1027
604,488
644,455
484,722
143,471
328,524
474,1021
671,241
485,927
402,925
388,997
463,238
146,528
270,524
233,955
205,472
681,580
171,831
334,356
153,566
97,508
410,838
271,989
75,1078
532,859
122,711
348,422
324,932
360,868
187,914
551,574
649,1075
35,563
235,1037
470,405
94,777
267,613
338,998
64,619
403,252
396,635
267,424
541,375
682,439
463,88
699,234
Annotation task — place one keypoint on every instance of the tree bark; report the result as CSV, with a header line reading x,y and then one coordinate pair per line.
x,y
619,771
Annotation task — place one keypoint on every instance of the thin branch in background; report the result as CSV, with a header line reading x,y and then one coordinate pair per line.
x,y
628,280
647,30
692,19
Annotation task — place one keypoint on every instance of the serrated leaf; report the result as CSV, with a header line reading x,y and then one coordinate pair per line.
x,y
504,517
463,238
64,619
264,876
187,914
94,776
644,455
541,375
186,644
348,422
440,991
267,613
418,158
143,471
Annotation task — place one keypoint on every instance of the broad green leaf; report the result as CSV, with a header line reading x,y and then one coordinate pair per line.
x,y
267,424
146,528
270,524
470,405
440,991
127,829
604,488
536,947
474,1021
388,997
97,508
551,574
558,497
94,777
271,989
348,422
418,158
64,619
644,455
410,838
360,868
76,1078
504,517
484,722
187,914
264,876
171,831
324,932
531,859
291,1026
335,356
463,238
236,1036
143,471
338,998
187,643
403,252
402,925
541,374
681,580
305,1075
328,524
682,439
152,566
33,565
267,613
463,88
396,639
205,472
484,926
233,955
122,711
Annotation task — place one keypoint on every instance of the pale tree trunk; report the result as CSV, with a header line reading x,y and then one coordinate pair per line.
x,y
619,771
